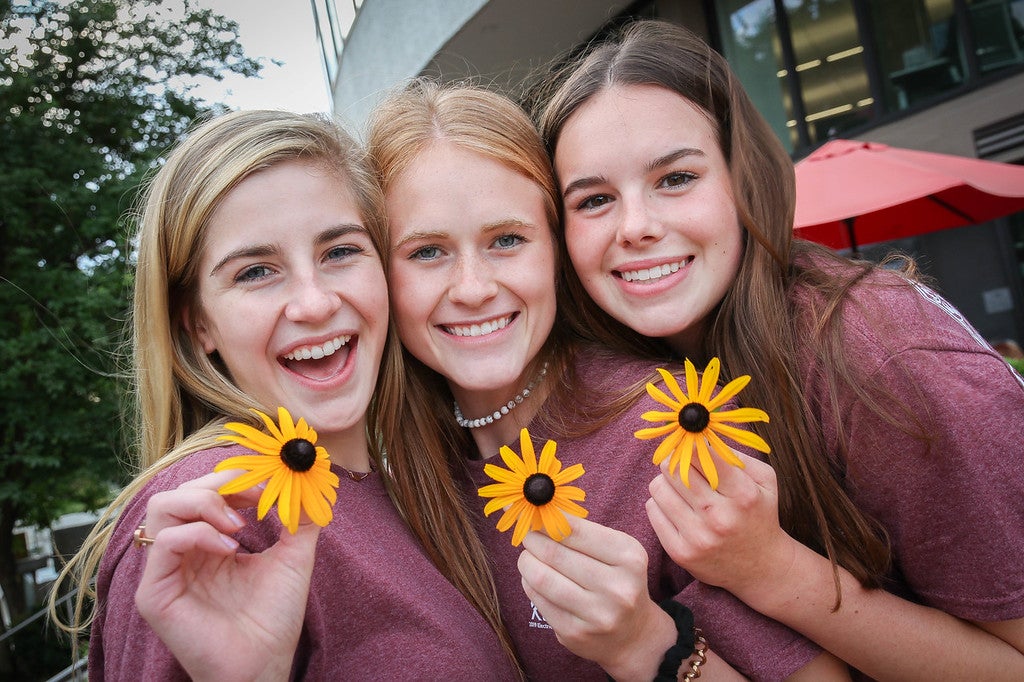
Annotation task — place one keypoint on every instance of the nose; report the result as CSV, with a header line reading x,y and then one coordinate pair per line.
x,y
473,282
638,225
311,300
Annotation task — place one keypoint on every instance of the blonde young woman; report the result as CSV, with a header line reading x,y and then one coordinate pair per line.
x,y
888,526
260,284
474,278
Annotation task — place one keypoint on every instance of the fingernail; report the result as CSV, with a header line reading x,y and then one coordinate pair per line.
x,y
229,541
235,518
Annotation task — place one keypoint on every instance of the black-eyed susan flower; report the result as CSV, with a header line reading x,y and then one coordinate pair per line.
x,y
535,493
695,422
298,473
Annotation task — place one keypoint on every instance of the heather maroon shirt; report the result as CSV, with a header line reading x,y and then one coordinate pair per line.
x,y
377,610
954,506
618,472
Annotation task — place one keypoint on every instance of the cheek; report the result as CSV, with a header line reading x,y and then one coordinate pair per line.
x,y
585,251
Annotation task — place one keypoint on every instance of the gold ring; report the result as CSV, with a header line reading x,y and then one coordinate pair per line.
x,y
140,537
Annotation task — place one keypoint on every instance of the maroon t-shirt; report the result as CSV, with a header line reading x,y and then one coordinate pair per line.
x,y
618,472
377,610
953,505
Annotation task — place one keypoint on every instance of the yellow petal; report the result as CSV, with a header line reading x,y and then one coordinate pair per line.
x,y
672,385
246,481
742,415
295,504
524,524
254,439
668,445
570,507
247,462
723,450
570,492
682,456
512,514
656,393
548,464
501,489
317,509
692,382
742,436
731,389
512,461
284,501
555,523
655,431
504,475
272,491
501,502
569,475
272,427
706,463
709,380
655,416
284,418
526,447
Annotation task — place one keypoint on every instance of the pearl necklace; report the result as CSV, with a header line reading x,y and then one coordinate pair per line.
x,y
504,409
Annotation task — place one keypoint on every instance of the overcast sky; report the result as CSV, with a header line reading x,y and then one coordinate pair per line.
x,y
274,29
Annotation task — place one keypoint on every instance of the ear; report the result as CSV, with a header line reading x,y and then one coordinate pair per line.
x,y
197,329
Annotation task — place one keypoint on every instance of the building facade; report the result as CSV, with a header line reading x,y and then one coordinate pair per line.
x,y
936,75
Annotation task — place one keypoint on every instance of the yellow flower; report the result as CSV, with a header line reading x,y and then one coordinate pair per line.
x,y
299,473
536,494
694,422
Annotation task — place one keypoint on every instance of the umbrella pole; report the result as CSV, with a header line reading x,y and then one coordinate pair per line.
x,y
854,251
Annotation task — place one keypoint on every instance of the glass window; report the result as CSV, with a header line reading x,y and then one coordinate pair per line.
x,y
751,45
918,50
830,66
997,27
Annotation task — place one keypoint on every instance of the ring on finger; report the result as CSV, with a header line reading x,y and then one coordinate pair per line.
x,y
140,539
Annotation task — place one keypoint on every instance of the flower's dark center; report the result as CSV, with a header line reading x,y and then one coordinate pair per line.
x,y
299,454
694,417
539,489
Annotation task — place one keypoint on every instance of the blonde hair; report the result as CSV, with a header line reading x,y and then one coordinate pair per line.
x,y
182,396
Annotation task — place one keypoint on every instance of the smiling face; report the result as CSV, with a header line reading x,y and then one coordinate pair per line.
x,y
292,296
472,271
650,222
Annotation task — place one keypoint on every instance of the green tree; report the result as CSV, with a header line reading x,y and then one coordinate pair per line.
x,y
91,93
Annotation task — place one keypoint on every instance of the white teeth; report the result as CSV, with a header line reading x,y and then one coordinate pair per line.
x,y
481,329
317,352
657,272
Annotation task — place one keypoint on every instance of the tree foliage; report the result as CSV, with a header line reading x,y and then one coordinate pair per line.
x,y
91,93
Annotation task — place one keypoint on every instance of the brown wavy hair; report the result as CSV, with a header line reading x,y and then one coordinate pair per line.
x,y
756,329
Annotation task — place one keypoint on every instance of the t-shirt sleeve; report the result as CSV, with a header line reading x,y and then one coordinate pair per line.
x,y
954,504
757,646
122,645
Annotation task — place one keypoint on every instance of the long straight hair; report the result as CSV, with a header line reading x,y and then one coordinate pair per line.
x,y
182,397
755,329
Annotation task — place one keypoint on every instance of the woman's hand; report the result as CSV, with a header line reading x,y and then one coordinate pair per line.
x,y
591,589
729,537
224,615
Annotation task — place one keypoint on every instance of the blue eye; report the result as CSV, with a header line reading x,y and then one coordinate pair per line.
x,y
253,273
508,241
342,251
426,253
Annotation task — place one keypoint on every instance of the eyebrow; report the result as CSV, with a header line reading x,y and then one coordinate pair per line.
x,y
654,164
493,226
264,250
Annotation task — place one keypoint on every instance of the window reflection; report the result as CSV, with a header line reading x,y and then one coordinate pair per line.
x,y
751,44
830,64
918,50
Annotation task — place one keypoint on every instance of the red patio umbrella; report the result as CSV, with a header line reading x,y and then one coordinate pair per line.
x,y
851,193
